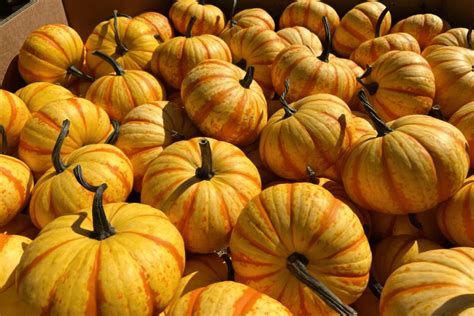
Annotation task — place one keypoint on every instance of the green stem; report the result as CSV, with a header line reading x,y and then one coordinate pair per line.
x,y
205,172
102,228
121,48
380,21
247,81
119,71
289,111
76,72
112,139
189,28
327,41
3,148
371,87
297,263
380,126
58,164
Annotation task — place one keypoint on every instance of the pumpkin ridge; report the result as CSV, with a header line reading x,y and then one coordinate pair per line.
x,y
13,110
207,107
466,214
251,241
29,72
53,43
91,305
259,277
342,251
16,184
325,222
244,304
309,86
240,257
193,301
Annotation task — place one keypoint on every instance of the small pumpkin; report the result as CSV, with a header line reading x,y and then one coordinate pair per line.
x,y
21,225
13,116
298,35
159,25
459,37
252,152
209,18
463,119
38,94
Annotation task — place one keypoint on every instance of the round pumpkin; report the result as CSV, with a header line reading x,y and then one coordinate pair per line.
x,y
209,18
459,36
253,154
463,119
13,116
38,94
21,225
224,102
211,181
298,35
159,25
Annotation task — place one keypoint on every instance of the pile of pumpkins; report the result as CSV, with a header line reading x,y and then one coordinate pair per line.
x,y
199,164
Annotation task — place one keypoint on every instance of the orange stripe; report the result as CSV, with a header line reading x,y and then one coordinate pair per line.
x,y
17,184
193,301
244,304
467,214
14,111
92,300
327,221
3,240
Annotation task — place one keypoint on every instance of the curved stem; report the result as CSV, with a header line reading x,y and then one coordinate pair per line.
x,y
371,87
380,21
189,28
119,14
73,70
205,172
3,148
224,255
158,38
380,126
247,81
375,287
119,71
112,139
327,41
102,228
232,13
58,164
289,111
312,175
435,112
242,64
121,48
296,263
469,38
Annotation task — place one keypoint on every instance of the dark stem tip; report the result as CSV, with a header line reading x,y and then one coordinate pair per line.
x,y
189,28
121,48
247,80
119,71
380,126
113,137
205,172
378,25
289,111
3,148
371,87
312,175
58,163
327,41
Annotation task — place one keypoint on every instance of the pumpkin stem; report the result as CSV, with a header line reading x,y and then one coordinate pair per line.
x,y
375,287
327,41
102,228
58,164
189,28
380,21
289,111
158,38
224,255
296,263
469,38
312,175
177,136
119,71
76,72
205,172
248,77
232,13
414,221
380,126
112,139
242,64
119,14
435,112
3,148
371,87
121,48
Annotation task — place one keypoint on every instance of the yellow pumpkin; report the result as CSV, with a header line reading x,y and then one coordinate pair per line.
x,y
253,154
459,36
159,25
38,94
209,18
463,119
13,116
298,35
21,225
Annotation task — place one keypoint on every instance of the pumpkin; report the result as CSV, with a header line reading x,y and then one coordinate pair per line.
x,y
13,116
147,129
209,18
57,192
89,125
452,69
120,92
173,59
436,282
399,83
130,42
158,24
224,102
358,25
394,251
459,36
423,27
298,35
202,185
96,262
414,163
456,216
257,46
252,152
38,94
21,225
308,13
463,119
80,87
310,74
280,243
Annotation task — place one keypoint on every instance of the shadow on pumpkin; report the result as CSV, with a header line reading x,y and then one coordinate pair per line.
x,y
76,226
455,305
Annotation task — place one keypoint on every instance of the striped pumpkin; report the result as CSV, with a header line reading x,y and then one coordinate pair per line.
x,y
436,282
13,116
52,53
210,183
21,225
209,18
252,152
149,128
225,102
173,59
38,94
159,25
236,299
298,35
279,225
459,36
359,25
463,119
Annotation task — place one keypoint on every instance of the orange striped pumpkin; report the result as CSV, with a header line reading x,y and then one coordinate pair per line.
x,y
279,228
99,261
359,25
210,183
21,225
225,102
298,35
463,119
149,128
159,25
210,19
459,36
436,282
252,152
118,93
13,116
173,59
38,94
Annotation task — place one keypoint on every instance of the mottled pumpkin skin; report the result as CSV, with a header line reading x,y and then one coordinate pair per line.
x,y
64,271
158,23
21,225
13,116
234,299
38,94
281,221
56,194
89,125
358,25
298,35
453,37
220,106
430,283
147,129
16,181
421,163
463,119
209,18
316,136
48,52
204,211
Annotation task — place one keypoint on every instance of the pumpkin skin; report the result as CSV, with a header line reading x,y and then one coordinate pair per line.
x,y
463,119
49,53
38,94
454,37
358,25
205,211
277,223
253,154
159,25
21,225
149,128
209,18
452,68
13,116
89,125
423,27
403,84
65,261
298,35
221,105
442,276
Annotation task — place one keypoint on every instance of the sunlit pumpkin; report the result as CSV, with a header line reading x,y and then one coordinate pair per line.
x,y
209,18
13,116
458,37
38,94
463,119
159,25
